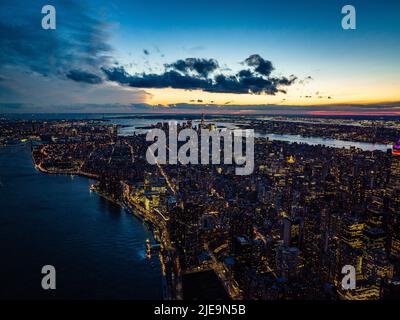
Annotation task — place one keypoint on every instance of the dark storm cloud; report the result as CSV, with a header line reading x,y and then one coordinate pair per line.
x,y
247,82
167,79
260,65
193,73
79,40
83,76
203,67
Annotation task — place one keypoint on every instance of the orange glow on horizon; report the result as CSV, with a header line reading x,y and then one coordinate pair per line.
x,y
169,96
352,113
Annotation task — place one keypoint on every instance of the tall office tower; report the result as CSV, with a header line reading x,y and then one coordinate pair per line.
x,y
395,169
394,240
329,187
375,212
377,265
185,233
243,256
288,262
366,289
352,232
292,231
374,238
351,242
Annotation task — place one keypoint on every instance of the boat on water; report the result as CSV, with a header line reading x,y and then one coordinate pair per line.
x,y
396,148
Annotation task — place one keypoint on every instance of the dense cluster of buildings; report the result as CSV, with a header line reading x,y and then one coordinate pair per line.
x,y
283,232
287,230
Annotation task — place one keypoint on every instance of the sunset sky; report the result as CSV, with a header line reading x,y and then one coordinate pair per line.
x,y
188,56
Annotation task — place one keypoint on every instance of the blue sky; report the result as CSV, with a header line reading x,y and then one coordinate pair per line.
x,y
299,38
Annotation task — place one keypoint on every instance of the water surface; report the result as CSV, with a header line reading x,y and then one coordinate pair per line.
x,y
97,248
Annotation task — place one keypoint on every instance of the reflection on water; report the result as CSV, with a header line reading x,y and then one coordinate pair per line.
x,y
334,143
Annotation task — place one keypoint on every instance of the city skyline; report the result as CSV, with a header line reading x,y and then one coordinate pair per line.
x,y
204,155
129,56
315,218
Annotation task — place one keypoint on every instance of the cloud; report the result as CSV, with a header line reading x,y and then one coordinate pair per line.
x,y
83,76
200,74
260,65
167,79
53,93
202,67
78,42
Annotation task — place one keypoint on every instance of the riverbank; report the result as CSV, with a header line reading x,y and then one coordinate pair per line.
x,y
102,194
40,168
140,213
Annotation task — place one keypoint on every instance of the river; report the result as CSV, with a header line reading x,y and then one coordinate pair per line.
x,y
97,249
333,143
131,126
